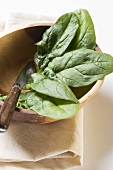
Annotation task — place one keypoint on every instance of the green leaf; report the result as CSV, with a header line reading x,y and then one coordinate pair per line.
x,y
52,107
23,97
54,88
52,98
82,67
22,100
56,39
37,77
3,97
85,37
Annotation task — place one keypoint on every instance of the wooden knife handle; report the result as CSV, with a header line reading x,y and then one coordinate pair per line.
x,y
8,108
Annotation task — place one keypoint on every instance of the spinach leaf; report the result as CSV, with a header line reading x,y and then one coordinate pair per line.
x,y
52,98
3,97
37,77
71,31
22,101
81,67
48,102
85,37
56,39
53,87
52,107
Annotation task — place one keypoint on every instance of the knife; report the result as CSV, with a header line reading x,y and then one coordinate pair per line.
x,y
9,105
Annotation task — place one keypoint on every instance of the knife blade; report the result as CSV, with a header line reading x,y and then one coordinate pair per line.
x,y
9,105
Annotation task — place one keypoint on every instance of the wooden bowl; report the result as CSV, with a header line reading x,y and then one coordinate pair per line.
x,y
17,48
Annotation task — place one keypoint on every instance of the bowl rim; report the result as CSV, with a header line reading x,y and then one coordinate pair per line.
x,y
92,92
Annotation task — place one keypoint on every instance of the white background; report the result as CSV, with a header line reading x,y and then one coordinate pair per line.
x,y
98,114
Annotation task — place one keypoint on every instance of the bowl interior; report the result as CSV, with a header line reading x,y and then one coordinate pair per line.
x,y
17,48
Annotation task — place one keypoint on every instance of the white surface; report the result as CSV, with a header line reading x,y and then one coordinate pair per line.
x,y
98,114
